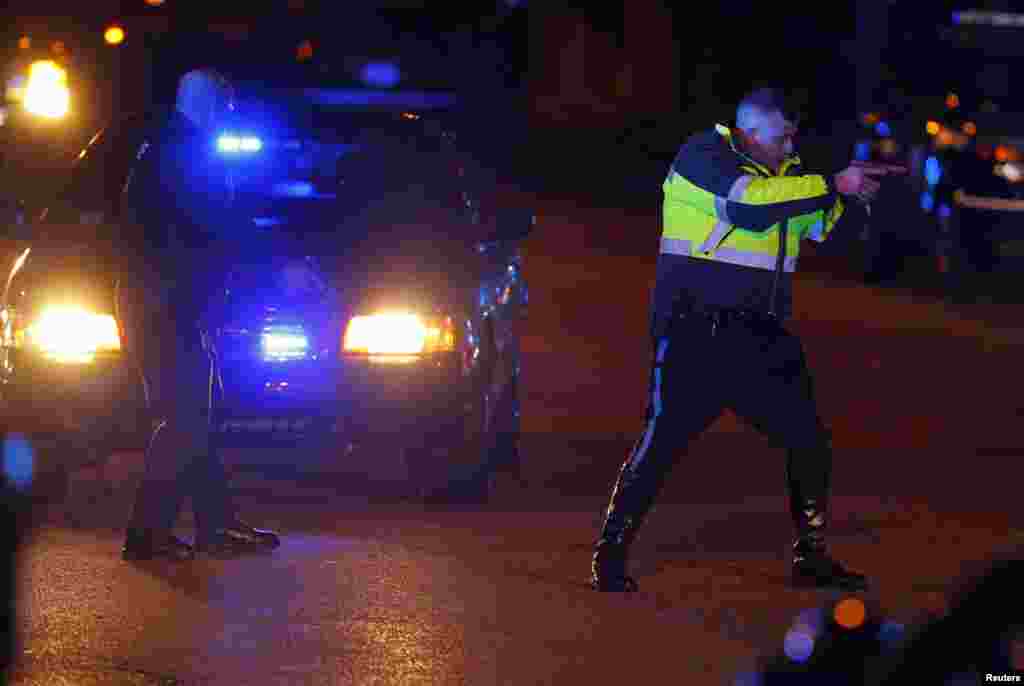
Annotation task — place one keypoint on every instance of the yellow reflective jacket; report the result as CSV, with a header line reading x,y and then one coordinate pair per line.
x,y
722,216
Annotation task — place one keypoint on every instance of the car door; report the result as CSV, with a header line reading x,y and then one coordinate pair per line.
x,y
503,302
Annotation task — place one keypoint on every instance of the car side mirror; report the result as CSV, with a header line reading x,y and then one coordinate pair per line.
x,y
510,225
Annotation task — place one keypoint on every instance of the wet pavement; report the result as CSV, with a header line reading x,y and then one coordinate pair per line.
x,y
922,398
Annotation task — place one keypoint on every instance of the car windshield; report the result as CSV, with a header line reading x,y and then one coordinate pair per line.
x,y
290,277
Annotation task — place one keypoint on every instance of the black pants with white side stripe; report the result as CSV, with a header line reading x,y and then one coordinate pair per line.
x,y
755,368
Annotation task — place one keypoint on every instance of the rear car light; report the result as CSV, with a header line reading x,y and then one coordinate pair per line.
x,y
399,333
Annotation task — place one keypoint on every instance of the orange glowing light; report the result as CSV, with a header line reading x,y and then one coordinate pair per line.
x,y
1002,153
952,101
24,43
114,35
154,3
970,128
305,51
870,118
933,128
850,613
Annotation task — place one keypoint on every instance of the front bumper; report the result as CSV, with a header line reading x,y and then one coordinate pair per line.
x,y
41,395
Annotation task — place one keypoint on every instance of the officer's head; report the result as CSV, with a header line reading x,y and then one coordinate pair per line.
x,y
766,129
205,97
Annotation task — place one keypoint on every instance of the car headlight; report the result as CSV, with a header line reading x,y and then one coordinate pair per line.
x,y
399,333
47,94
72,334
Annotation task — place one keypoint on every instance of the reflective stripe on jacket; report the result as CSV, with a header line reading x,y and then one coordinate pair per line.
x,y
721,205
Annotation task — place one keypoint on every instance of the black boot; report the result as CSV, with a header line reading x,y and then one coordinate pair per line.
x,y
625,513
238,538
813,567
148,545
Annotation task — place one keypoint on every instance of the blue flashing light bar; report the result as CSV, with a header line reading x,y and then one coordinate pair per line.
x,y
299,189
294,189
883,129
381,74
229,143
408,99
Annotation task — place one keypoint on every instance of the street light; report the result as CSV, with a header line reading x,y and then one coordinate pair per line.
x,y
114,35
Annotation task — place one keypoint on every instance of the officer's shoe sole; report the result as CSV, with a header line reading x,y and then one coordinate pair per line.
x,y
237,542
177,551
233,549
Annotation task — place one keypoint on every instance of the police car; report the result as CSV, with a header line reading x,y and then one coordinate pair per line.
x,y
385,301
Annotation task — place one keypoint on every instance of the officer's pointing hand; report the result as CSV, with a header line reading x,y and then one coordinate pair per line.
x,y
857,180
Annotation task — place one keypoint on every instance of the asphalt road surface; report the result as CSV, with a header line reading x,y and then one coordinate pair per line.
x,y
923,400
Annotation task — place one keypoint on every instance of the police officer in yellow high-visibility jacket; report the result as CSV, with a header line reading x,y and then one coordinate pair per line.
x,y
736,208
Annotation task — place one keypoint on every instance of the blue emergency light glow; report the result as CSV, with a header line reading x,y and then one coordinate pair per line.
x,y
932,171
229,143
339,97
18,461
883,130
294,189
381,74
863,151
927,201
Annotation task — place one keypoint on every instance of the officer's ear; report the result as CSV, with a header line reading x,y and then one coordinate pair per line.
x,y
745,136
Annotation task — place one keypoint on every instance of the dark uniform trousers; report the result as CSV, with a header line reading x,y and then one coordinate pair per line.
x,y
707,362
177,365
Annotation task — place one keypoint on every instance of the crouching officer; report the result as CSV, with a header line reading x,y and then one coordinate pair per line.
x,y
736,207
174,269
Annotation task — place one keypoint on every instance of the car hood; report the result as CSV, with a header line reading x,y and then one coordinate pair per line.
x,y
65,272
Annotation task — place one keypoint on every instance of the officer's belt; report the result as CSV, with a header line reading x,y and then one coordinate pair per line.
x,y
723,316
742,258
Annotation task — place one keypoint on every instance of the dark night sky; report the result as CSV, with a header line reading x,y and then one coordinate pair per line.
x,y
749,42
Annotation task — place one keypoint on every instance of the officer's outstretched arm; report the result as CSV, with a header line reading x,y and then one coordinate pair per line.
x,y
763,202
742,199
818,225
